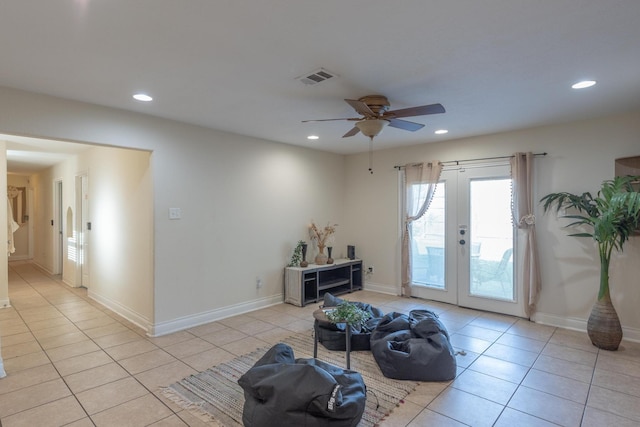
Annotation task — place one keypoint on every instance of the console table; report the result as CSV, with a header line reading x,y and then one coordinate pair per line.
x,y
305,285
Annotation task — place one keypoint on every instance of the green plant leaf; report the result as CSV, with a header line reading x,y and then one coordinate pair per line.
x,y
612,215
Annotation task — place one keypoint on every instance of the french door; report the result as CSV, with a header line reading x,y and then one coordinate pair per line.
x,y
463,247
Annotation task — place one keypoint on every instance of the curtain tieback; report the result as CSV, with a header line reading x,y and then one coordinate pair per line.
x,y
527,221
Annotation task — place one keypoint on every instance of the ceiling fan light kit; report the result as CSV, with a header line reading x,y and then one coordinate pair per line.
x,y
372,127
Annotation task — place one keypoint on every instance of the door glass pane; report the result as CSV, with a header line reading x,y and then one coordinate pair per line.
x,y
427,252
491,245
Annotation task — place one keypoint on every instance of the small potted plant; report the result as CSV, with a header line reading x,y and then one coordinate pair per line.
x,y
299,257
348,312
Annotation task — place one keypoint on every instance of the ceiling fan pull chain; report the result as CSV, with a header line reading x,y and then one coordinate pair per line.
x,y
371,155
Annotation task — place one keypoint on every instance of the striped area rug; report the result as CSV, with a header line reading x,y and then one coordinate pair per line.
x,y
215,394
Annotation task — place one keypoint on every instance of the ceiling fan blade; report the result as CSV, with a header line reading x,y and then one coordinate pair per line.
x,y
353,131
331,120
417,111
405,125
360,107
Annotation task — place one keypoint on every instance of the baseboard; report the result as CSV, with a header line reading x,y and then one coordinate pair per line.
x,y
5,303
43,268
133,317
186,322
629,334
19,257
69,284
379,287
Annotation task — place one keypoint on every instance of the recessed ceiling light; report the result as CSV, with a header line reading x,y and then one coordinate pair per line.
x,y
441,131
583,84
313,137
142,97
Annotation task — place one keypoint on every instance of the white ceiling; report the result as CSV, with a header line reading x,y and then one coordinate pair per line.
x,y
495,65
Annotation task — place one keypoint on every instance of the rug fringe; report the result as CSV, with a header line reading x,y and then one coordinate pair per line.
x,y
216,395
194,408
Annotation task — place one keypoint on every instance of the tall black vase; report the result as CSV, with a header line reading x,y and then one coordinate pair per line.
x,y
304,262
329,259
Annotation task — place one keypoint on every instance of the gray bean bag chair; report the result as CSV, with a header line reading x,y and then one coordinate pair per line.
x,y
282,391
413,347
332,335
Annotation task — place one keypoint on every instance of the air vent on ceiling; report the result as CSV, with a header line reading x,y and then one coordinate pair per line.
x,y
316,77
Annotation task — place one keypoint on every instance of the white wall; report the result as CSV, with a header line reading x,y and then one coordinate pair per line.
x,y
120,255
245,202
581,156
120,260
4,266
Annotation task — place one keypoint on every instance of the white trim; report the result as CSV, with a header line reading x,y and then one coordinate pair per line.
x,y
5,303
130,315
629,334
193,320
57,229
381,288
69,284
43,268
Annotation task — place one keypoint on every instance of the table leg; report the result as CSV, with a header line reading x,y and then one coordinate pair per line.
x,y
348,346
315,339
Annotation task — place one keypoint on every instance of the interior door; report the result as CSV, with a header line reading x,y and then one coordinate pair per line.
x,y
57,228
81,231
463,247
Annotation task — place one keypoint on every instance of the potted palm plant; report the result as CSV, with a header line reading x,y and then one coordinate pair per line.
x,y
609,218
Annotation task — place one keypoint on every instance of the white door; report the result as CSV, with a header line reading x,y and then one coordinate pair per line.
x,y
81,231
57,228
463,247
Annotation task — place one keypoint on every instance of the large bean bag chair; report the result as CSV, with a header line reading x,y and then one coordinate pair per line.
x,y
413,347
282,391
333,335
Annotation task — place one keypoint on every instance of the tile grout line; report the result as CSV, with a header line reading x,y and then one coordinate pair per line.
x,y
45,352
129,375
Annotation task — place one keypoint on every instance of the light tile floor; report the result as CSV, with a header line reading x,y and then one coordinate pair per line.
x,y
72,362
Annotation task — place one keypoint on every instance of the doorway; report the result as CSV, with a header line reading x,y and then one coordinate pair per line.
x,y
463,247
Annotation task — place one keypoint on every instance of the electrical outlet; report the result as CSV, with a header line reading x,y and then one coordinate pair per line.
x,y
258,282
175,213
370,269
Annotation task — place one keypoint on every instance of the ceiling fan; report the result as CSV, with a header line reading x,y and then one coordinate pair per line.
x,y
376,115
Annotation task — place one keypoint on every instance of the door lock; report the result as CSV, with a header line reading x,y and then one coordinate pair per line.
x,y
462,242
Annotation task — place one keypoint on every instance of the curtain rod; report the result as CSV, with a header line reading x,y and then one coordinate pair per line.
x,y
457,162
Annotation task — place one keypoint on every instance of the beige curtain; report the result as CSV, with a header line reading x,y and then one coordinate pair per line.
x,y
17,196
525,220
416,203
